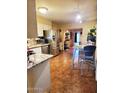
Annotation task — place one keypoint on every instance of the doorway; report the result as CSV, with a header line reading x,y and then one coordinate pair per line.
x,y
75,35
77,38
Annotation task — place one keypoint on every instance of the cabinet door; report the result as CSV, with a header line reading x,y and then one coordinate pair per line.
x,y
45,49
37,50
40,29
38,78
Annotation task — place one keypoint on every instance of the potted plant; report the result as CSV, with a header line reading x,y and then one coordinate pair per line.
x,y
92,35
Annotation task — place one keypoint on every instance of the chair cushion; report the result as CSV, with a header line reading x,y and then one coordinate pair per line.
x,y
89,58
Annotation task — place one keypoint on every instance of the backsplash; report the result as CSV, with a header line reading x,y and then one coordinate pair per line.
x,y
31,41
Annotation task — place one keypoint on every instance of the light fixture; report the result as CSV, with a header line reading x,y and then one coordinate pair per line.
x,y
67,31
78,16
80,21
43,10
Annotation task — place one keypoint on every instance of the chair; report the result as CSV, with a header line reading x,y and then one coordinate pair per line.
x,y
89,52
88,58
81,55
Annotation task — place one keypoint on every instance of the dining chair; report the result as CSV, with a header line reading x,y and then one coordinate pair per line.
x,y
89,52
88,58
81,55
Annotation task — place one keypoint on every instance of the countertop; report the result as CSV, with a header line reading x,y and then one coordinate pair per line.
x,y
37,45
39,58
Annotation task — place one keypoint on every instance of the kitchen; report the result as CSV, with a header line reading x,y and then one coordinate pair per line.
x,y
47,38
52,71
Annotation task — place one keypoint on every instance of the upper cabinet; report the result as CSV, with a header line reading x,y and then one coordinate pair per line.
x,y
41,27
40,30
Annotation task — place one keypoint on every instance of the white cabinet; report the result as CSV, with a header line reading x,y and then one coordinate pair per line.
x,y
37,50
41,27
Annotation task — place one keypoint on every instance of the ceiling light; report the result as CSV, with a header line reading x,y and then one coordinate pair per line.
x,y
78,16
43,10
80,21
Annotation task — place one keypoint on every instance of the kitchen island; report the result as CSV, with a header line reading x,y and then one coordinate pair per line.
x,y
38,74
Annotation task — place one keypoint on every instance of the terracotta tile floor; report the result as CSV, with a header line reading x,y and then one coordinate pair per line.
x,y
65,79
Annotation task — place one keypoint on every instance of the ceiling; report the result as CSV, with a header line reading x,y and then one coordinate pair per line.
x,y
64,11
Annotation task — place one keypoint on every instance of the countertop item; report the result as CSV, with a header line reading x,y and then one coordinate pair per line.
x,y
39,58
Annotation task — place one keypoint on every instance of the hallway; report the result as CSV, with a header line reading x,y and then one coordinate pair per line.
x,y
65,79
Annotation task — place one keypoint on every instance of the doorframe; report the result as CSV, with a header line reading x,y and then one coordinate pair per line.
x,y
73,31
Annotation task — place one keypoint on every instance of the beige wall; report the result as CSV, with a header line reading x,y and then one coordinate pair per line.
x,y
42,20
31,19
85,26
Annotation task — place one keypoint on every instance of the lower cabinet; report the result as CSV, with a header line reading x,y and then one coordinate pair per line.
x,y
39,79
54,51
45,49
37,50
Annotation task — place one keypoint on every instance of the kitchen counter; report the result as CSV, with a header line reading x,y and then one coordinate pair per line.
x,y
39,58
37,45
38,74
